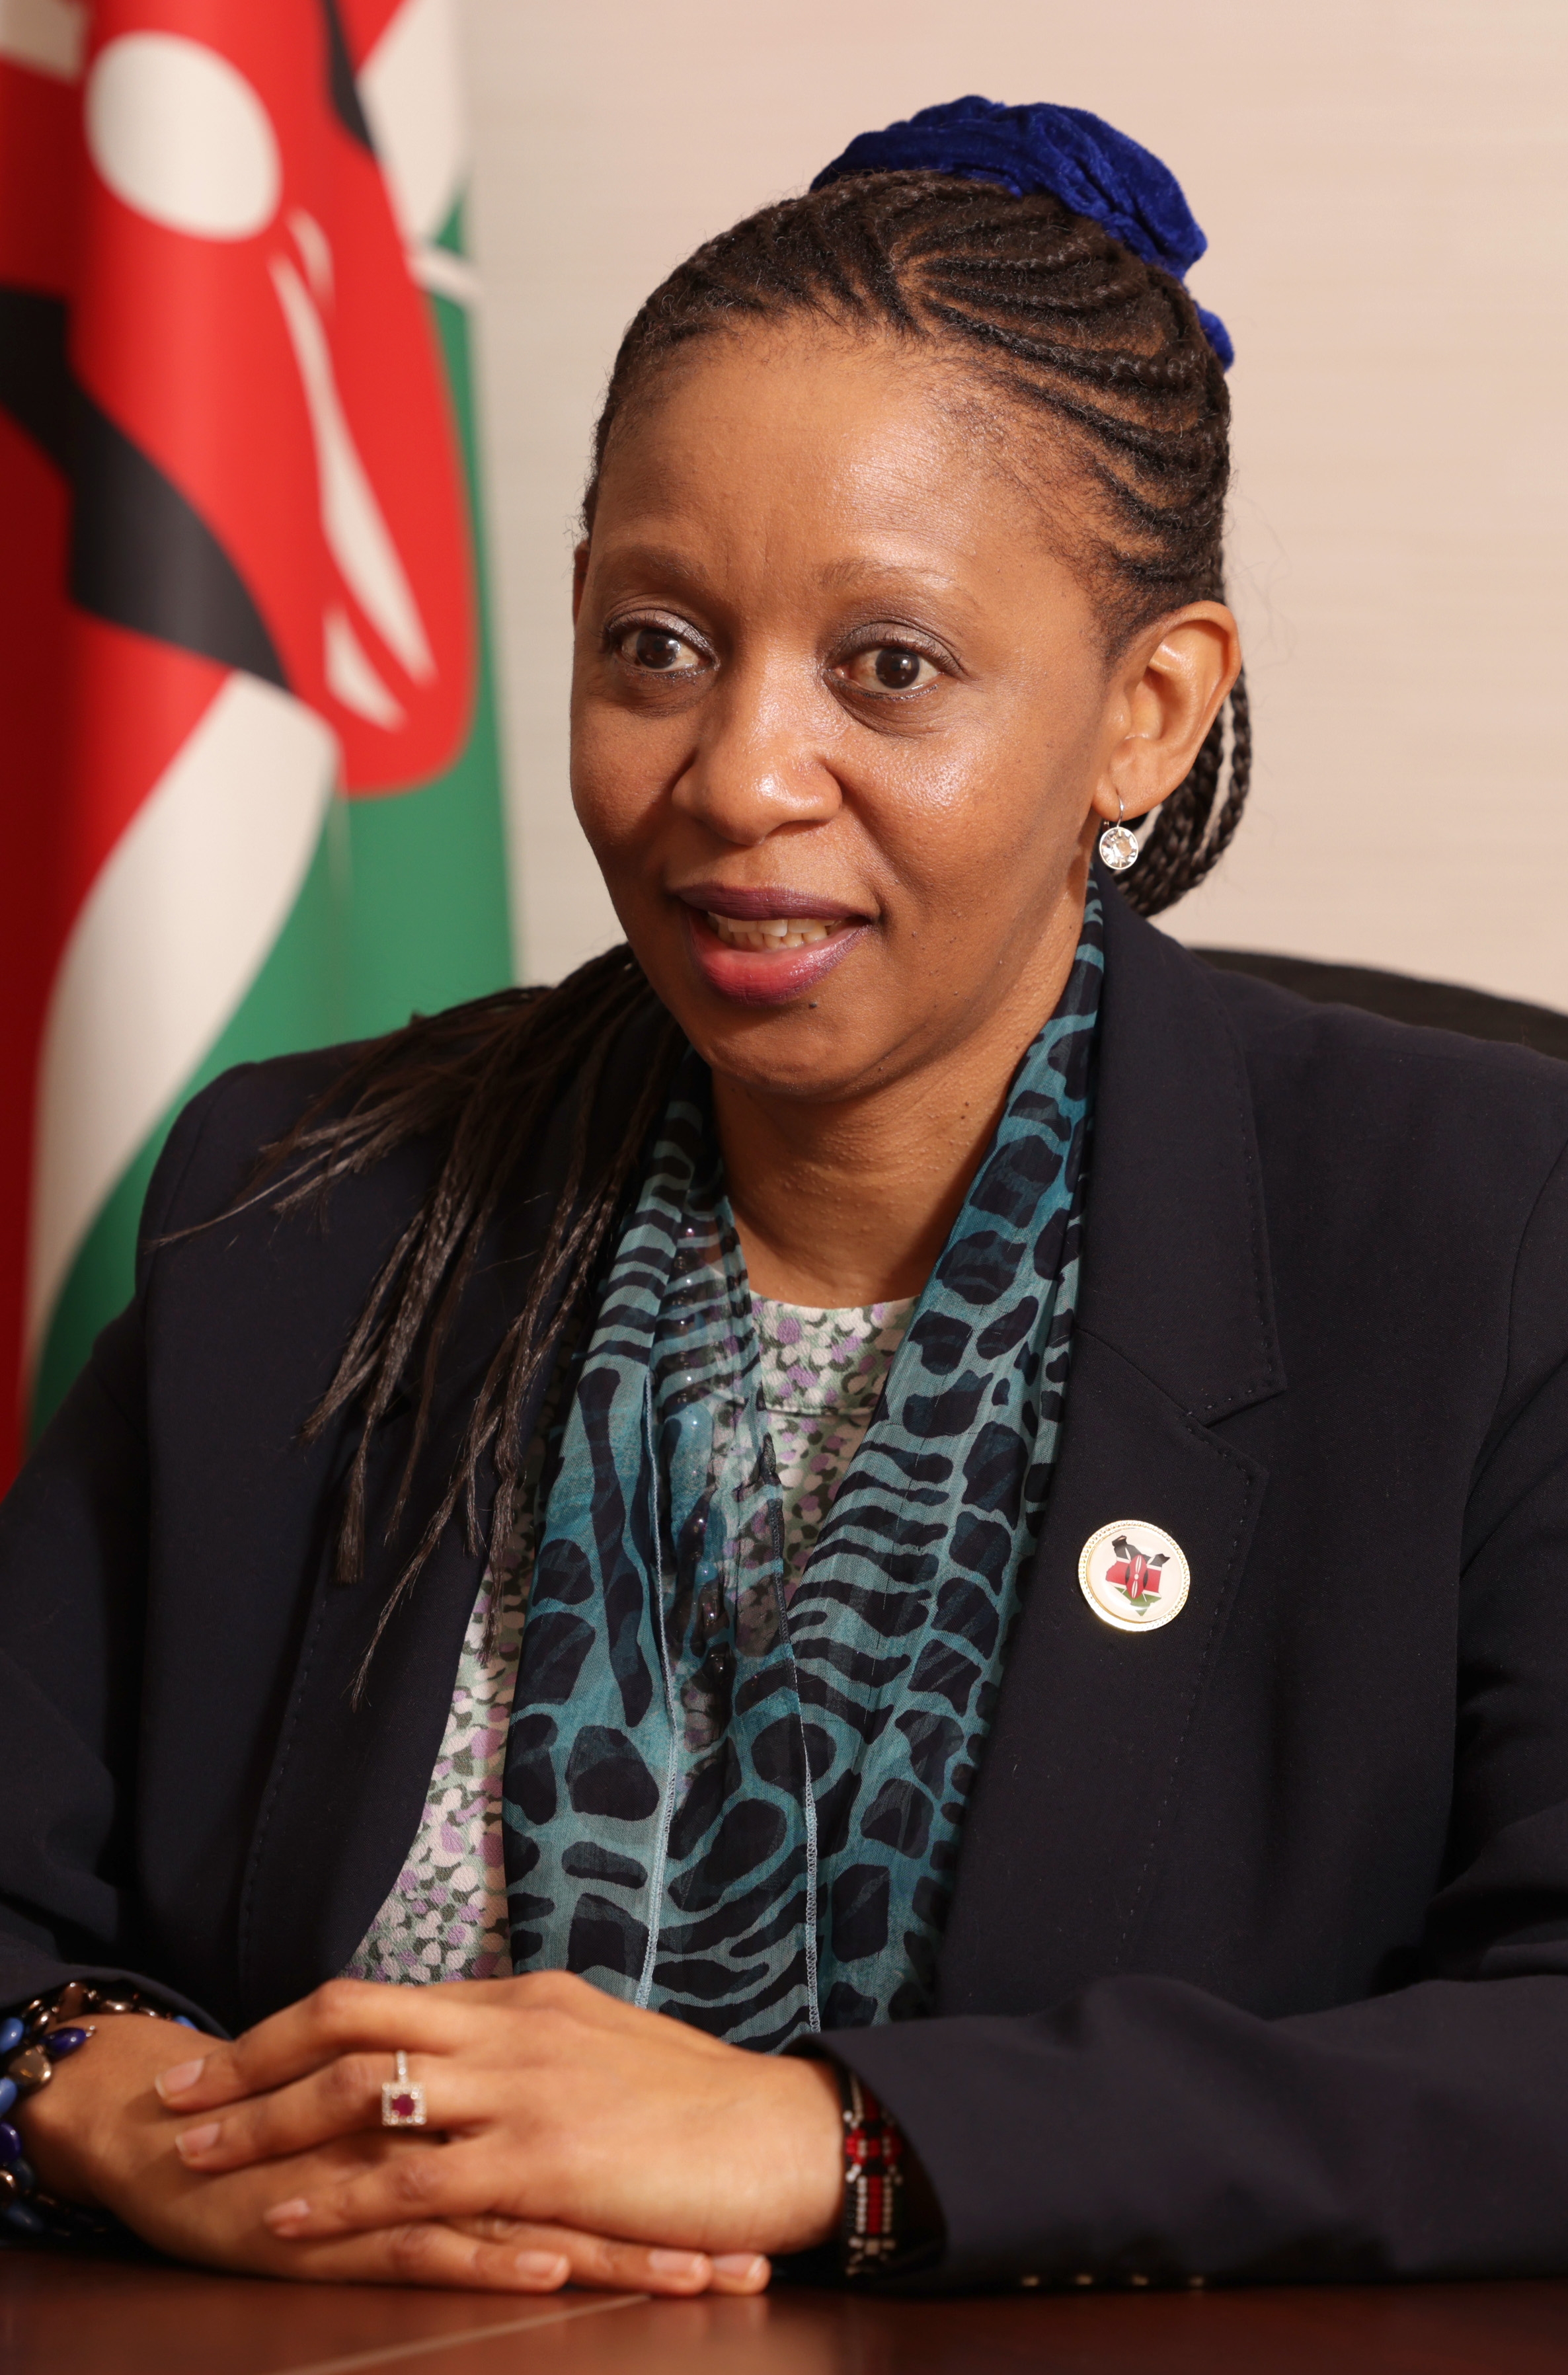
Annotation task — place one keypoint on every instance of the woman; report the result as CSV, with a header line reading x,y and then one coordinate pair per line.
x,y
1029,1474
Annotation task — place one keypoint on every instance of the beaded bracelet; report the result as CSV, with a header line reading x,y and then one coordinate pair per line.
x,y
871,2223
47,2031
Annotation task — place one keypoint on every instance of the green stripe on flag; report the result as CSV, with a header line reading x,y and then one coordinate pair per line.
x,y
296,1000
428,923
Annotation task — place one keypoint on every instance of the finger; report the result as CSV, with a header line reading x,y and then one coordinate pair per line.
x,y
528,2259
363,2015
344,2016
457,2187
432,2255
345,2100
741,2272
613,2264
514,2253
397,2188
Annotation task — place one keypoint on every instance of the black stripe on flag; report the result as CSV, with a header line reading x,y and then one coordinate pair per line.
x,y
344,90
142,556
35,380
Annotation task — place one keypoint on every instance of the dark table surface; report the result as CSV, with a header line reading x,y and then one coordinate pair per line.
x,y
62,2316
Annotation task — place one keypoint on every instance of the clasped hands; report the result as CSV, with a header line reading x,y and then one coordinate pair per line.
x,y
570,2138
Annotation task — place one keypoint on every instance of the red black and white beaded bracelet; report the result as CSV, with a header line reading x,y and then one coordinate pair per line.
x,y
871,2222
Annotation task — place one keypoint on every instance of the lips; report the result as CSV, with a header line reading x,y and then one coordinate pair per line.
x,y
769,946
771,932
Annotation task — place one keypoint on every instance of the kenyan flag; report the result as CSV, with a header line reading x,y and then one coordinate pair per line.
x,y
249,795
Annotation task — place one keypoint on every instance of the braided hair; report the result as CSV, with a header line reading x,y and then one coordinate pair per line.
x,y
1102,353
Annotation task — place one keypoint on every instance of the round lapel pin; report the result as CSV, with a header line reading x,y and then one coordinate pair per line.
x,y
1134,1576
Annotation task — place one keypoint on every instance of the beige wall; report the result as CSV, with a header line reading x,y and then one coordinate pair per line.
x,y
1383,186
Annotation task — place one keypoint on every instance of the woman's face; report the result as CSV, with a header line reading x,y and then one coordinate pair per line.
x,y
839,712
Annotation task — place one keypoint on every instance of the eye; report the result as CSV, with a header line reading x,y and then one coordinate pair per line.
x,y
890,667
659,650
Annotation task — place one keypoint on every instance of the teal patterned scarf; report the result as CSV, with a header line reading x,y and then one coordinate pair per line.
x,y
743,1811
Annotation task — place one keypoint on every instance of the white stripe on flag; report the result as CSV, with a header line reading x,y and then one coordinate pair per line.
x,y
169,938
351,519
444,274
411,85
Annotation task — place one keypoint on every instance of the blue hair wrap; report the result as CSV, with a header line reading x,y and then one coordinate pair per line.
x,y
1077,157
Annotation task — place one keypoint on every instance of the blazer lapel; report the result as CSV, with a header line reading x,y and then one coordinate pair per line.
x,y
1175,1332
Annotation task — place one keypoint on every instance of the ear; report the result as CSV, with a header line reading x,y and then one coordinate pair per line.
x,y
579,577
1165,695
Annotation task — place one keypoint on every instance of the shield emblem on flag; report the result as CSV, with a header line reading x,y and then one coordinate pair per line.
x,y
268,357
252,800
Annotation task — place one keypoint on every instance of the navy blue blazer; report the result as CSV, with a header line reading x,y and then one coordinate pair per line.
x,y
1257,1964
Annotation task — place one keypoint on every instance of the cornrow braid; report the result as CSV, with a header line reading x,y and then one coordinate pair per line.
x,y
481,1080
1100,350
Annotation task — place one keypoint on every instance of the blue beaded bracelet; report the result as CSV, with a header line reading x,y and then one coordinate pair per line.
x,y
48,2031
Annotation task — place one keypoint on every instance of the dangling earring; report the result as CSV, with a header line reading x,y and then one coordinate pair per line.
x,y
1118,844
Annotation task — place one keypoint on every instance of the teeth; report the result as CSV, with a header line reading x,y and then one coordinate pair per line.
x,y
765,932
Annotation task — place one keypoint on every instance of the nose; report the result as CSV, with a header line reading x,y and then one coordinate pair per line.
x,y
760,759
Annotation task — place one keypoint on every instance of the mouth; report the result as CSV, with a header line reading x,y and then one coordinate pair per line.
x,y
767,947
770,932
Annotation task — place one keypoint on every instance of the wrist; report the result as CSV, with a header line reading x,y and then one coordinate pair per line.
x,y
88,2130
886,2218
819,2157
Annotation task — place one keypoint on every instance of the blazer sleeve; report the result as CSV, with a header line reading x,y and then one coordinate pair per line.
x,y
1146,2130
73,1594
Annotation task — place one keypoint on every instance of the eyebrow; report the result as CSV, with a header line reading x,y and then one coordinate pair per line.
x,y
852,570
851,574
855,572
652,556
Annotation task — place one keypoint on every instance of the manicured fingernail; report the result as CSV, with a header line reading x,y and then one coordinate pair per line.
x,y
542,2267
196,2141
676,2263
180,2079
746,2265
287,2214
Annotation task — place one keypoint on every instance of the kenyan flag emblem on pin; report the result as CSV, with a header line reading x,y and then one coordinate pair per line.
x,y
1134,1576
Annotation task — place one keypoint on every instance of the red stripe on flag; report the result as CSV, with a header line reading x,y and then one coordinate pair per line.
x,y
135,703
33,611
186,344
39,148
364,22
